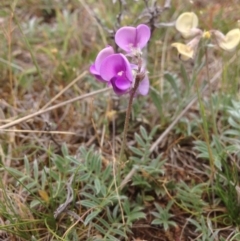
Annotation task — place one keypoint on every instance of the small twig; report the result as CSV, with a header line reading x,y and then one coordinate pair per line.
x,y
40,132
122,3
63,90
69,198
128,178
146,4
13,123
153,12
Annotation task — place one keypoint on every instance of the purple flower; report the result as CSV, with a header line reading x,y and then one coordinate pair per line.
x,y
102,55
143,87
117,70
131,38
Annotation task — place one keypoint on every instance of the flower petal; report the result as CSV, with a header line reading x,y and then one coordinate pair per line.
x,y
143,35
128,68
115,64
93,70
231,40
185,23
122,83
125,38
143,87
128,38
185,51
103,54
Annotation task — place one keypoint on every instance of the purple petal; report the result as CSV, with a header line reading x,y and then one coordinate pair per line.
x,y
143,87
129,37
93,70
120,84
115,64
128,68
143,35
125,38
103,54
134,66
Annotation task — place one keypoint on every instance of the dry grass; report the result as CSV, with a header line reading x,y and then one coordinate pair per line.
x,y
50,107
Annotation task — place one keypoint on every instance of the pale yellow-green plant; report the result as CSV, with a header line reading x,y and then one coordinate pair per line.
x,y
187,25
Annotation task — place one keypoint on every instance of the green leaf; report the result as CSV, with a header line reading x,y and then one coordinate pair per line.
x,y
144,133
97,185
34,203
15,172
35,169
26,165
185,76
157,222
99,228
106,173
139,140
61,163
149,198
119,232
88,204
43,180
98,165
104,223
136,151
91,197
157,100
153,131
84,177
233,123
64,149
173,82
135,216
91,216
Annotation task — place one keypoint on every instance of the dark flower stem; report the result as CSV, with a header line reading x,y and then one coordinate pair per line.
x,y
127,117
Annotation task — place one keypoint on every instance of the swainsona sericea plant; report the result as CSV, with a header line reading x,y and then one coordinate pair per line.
x,y
116,70
187,25
126,73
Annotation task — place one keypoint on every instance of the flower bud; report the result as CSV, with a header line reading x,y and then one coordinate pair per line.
x,y
229,41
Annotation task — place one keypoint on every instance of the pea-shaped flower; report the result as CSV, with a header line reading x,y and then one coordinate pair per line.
x,y
187,51
229,41
187,24
95,67
132,39
117,70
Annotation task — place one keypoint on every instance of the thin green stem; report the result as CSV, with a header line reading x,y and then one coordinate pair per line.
x,y
214,130
210,95
205,129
